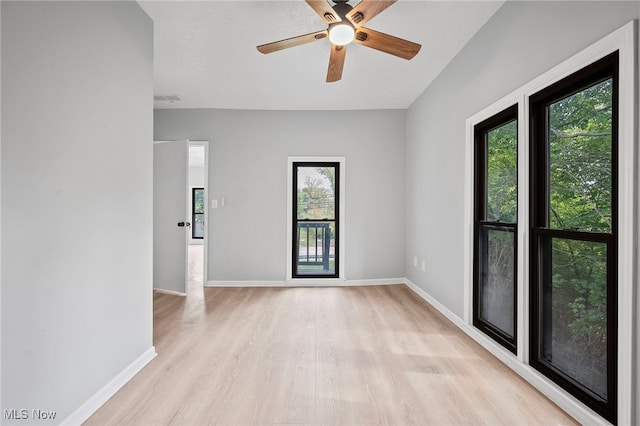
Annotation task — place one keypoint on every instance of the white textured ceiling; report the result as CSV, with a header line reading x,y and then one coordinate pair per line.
x,y
205,53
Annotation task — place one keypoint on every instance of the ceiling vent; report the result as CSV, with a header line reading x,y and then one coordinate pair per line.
x,y
166,98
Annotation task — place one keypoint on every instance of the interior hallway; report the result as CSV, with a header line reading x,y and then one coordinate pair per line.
x,y
195,256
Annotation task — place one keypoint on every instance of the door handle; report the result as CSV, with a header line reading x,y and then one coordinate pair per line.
x,y
183,224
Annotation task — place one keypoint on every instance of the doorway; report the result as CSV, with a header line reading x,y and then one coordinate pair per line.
x,y
315,214
196,208
315,191
178,167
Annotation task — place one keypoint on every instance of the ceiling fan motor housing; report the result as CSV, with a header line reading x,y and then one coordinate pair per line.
x,y
342,32
342,8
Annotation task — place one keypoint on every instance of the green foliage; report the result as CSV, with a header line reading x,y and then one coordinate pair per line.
x,y
502,173
502,206
580,198
580,162
498,288
579,310
330,175
316,196
198,201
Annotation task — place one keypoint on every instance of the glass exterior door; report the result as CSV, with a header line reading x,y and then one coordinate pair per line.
x,y
315,224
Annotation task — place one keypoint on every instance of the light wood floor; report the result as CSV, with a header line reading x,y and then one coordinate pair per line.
x,y
355,355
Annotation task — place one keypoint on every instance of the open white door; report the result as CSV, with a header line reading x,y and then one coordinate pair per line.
x,y
171,224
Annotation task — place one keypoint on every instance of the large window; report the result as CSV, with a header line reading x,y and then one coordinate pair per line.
x,y
496,211
574,234
315,219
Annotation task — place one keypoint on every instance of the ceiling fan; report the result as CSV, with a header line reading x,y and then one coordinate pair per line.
x,y
345,25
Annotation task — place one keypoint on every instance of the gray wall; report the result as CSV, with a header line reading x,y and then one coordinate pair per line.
x,y
520,42
248,165
77,86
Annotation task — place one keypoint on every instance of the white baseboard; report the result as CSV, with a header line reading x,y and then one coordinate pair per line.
x,y
222,283
92,405
306,282
433,302
171,292
564,400
381,281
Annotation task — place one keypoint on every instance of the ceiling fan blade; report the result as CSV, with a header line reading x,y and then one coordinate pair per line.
x,y
367,9
292,42
325,11
336,63
387,43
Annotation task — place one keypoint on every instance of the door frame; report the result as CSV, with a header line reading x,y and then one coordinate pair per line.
x,y
205,240
341,220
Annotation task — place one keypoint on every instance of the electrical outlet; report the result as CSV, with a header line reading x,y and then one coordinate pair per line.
x,y
415,262
424,266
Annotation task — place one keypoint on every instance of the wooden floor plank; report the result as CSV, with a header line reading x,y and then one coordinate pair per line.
x,y
339,356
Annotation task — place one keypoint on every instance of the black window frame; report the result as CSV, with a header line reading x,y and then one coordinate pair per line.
x,y
601,70
295,220
481,130
194,213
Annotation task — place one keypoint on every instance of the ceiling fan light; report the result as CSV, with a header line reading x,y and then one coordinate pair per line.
x,y
341,34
